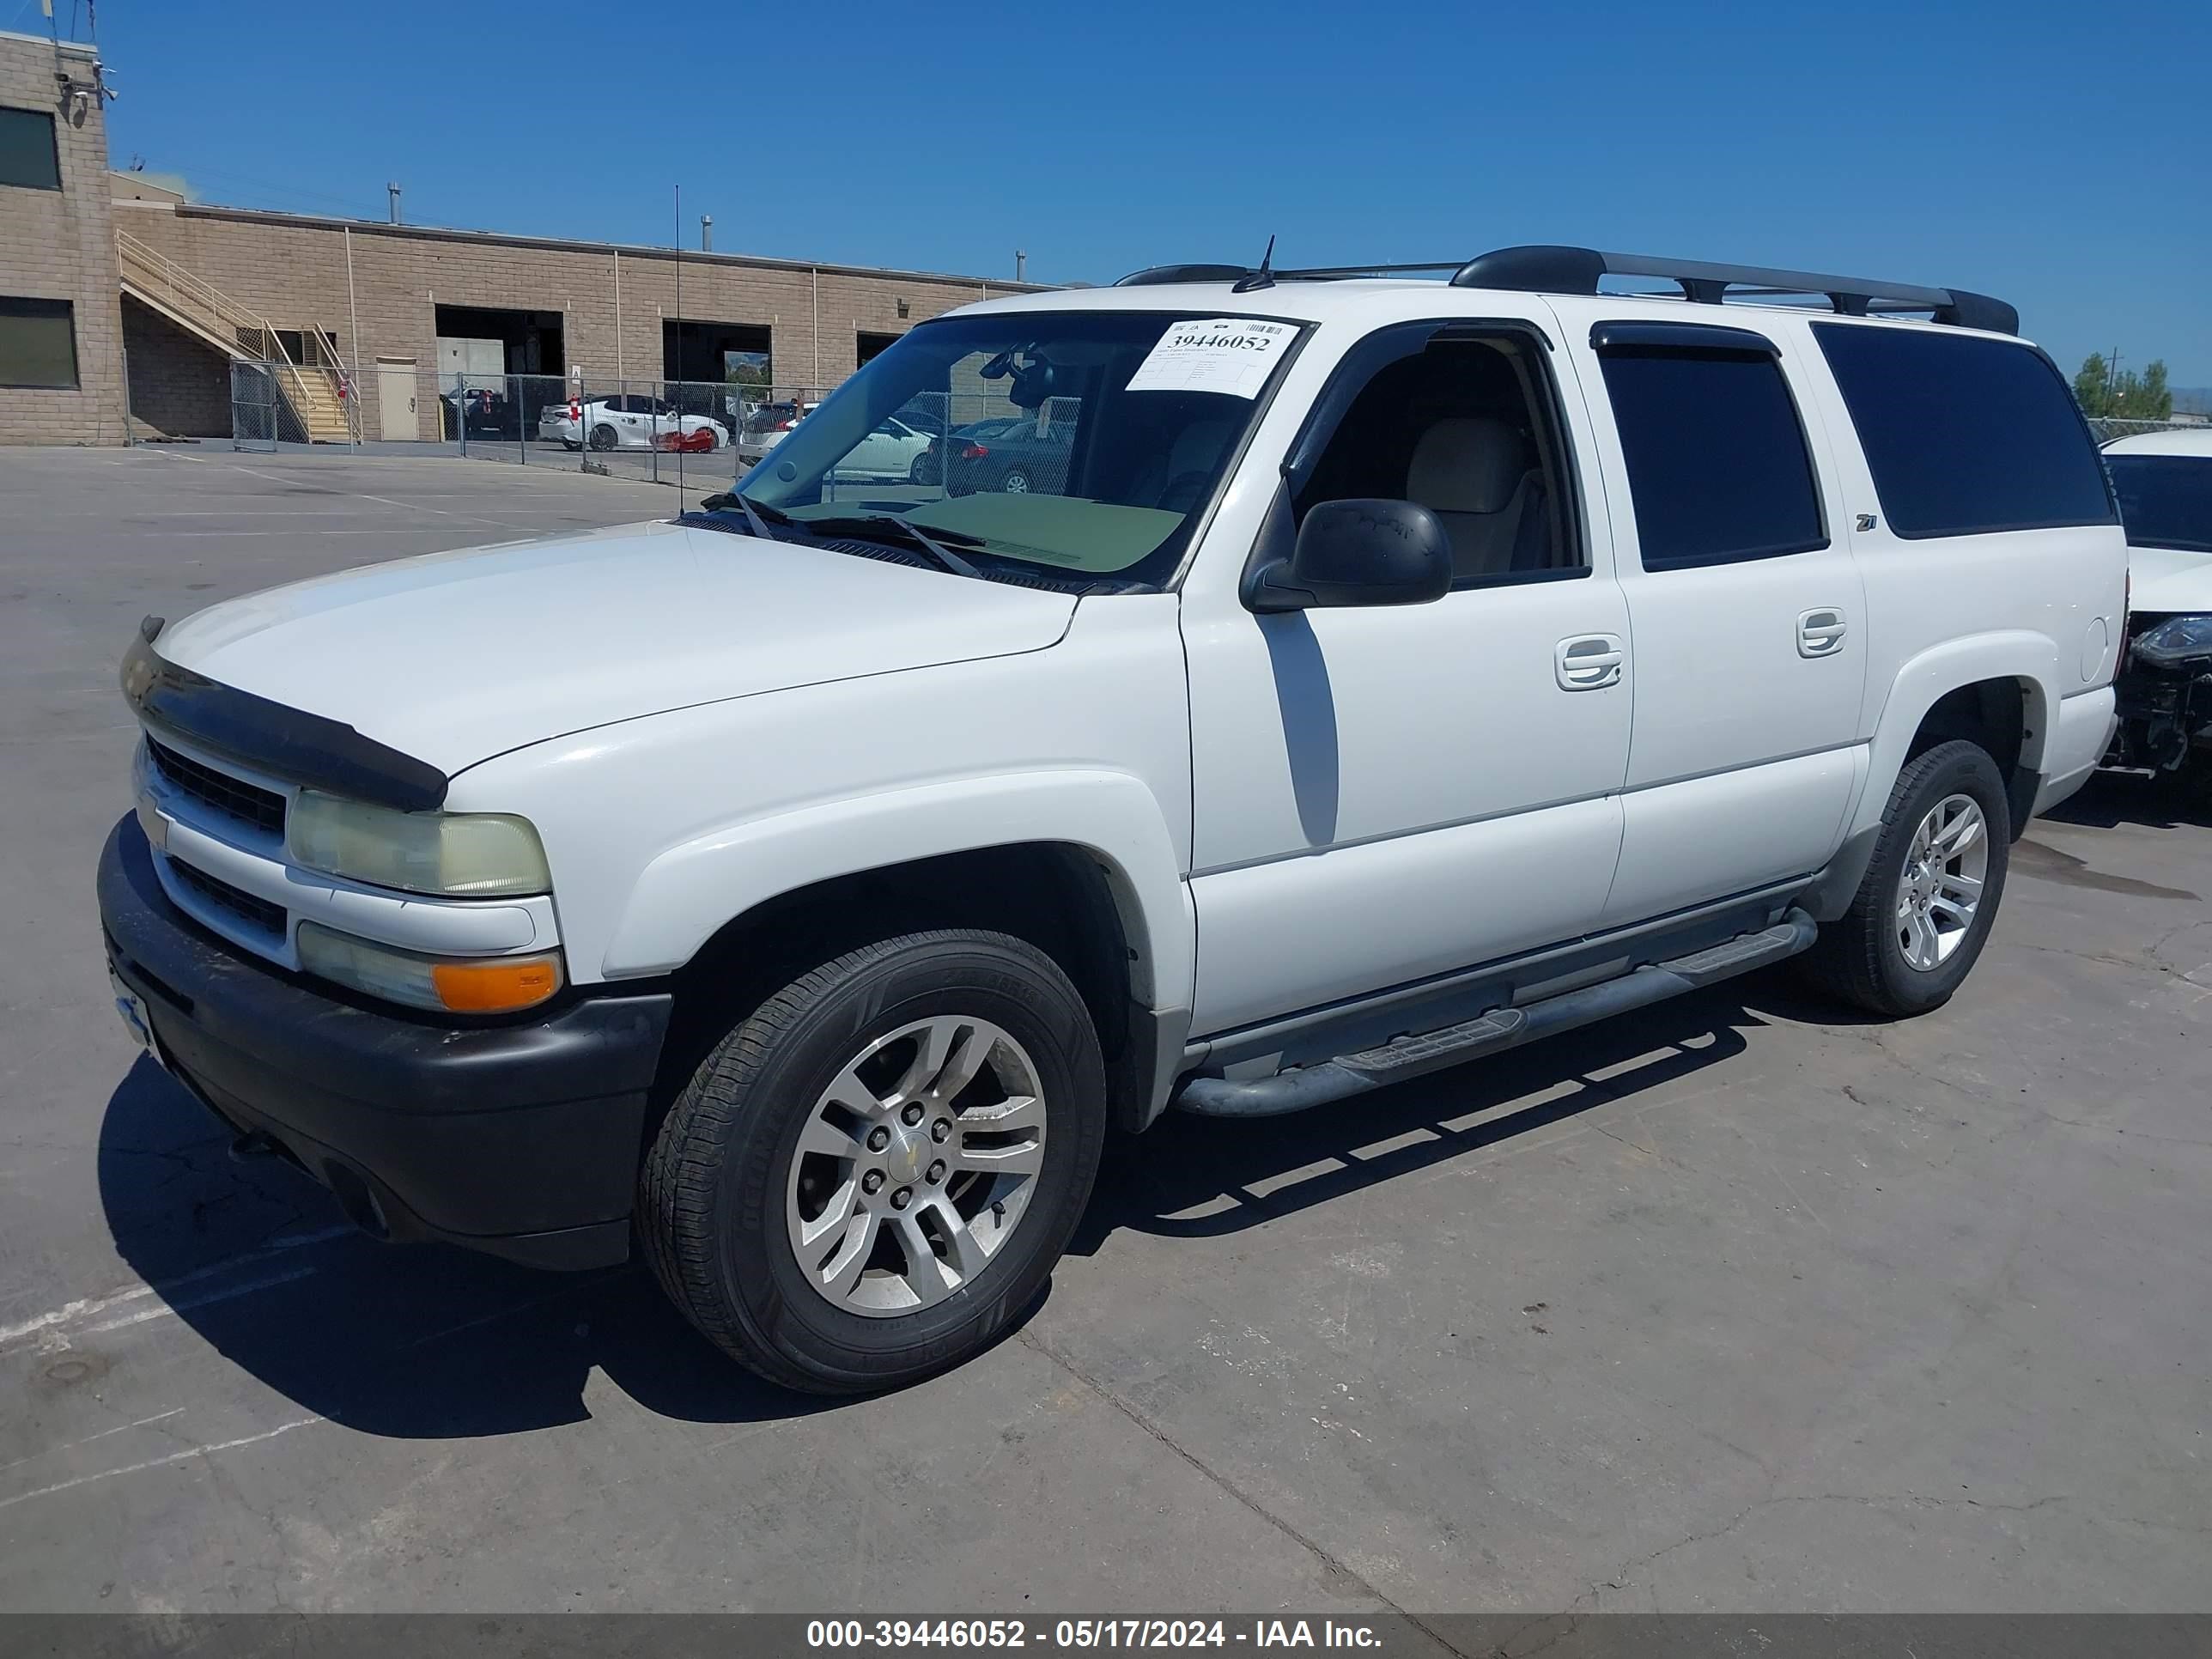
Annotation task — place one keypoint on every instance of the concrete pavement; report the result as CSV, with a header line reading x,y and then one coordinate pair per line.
x,y
1740,1303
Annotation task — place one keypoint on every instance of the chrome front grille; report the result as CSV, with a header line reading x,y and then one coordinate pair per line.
x,y
234,798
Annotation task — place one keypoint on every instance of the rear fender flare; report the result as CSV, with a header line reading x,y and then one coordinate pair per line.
x,y
2020,654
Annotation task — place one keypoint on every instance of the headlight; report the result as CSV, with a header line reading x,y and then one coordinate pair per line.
x,y
2176,640
485,985
459,855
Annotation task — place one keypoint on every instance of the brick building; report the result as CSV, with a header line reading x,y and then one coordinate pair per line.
x,y
381,310
61,331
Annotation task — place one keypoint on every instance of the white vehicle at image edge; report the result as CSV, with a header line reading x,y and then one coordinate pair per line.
x,y
630,420
2164,482
1399,671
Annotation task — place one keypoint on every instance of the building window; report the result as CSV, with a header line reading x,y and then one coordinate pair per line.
x,y
869,346
38,343
27,156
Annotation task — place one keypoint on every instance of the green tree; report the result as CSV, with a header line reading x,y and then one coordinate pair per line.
x,y
2127,396
2155,398
2090,390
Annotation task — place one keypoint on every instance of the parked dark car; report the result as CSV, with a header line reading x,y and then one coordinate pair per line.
x,y
487,414
1008,456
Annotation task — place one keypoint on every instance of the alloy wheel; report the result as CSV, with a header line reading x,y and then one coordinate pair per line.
x,y
1939,890
916,1165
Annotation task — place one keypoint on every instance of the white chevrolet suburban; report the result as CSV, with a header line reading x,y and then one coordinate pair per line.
x,y
1372,673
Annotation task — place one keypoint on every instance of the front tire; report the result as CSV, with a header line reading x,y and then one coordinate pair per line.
x,y
874,1172
1925,909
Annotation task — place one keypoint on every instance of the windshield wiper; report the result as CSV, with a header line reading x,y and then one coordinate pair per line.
x,y
890,525
759,517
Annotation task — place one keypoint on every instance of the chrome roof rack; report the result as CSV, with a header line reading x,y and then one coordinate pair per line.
x,y
1546,269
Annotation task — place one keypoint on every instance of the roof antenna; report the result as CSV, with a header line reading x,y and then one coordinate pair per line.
x,y
1263,277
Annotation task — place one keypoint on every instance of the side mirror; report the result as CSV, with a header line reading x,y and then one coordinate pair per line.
x,y
1358,552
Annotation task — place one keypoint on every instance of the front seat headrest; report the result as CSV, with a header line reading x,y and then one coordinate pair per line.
x,y
1468,463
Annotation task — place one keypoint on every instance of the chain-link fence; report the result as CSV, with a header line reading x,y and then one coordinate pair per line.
x,y
255,407
687,432
963,443
700,433
2107,428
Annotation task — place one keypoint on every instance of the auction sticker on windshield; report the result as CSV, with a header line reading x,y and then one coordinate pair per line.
x,y
1230,355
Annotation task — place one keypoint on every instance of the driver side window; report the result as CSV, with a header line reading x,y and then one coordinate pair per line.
x,y
1467,428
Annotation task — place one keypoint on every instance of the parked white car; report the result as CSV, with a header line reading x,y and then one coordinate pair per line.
x,y
893,451
2164,481
1396,672
630,420
766,425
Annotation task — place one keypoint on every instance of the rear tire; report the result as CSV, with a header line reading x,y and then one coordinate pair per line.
x,y
1920,896
604,437
736,1192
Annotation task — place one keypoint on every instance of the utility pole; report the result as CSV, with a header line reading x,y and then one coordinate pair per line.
x,y
676,402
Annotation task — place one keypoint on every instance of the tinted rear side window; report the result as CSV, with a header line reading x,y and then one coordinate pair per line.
x,y
1965,436
1717,458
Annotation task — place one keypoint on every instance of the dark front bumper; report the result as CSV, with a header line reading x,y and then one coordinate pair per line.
x,y
2164,713
519,1139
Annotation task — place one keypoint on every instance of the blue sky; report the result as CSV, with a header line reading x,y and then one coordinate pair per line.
x,y
2051,154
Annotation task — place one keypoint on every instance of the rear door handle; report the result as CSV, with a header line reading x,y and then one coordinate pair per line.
x,y
1820,632
1589,663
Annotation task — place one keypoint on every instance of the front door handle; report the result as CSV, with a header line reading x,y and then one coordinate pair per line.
x,y
1589,663
1820,632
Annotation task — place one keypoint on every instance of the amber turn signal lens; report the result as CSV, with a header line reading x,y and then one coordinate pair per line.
x,y
497,987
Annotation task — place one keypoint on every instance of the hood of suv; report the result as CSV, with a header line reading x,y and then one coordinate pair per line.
x,y
456,657
2168,581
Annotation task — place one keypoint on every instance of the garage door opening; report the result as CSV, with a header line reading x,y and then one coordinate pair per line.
x,y
481,344
706,355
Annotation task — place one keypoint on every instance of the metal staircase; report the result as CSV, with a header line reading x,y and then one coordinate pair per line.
x,y
311,408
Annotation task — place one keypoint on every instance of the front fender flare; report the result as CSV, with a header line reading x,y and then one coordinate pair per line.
x,y
687,893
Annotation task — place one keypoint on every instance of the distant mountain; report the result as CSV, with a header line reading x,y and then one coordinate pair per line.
x,y
2192,400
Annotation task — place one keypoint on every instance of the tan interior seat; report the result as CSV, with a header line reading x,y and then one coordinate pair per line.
x,y
1473,473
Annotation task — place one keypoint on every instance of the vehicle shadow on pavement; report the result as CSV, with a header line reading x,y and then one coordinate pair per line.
x,y
1200,1177
415,1341
425,1341
2110,798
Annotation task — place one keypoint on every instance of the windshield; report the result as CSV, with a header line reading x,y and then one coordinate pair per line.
x,y
2166,500
1079,445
